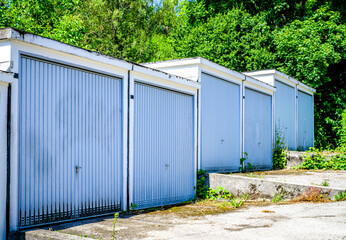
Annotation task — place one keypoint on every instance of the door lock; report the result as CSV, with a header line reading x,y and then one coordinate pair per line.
x,y
77,168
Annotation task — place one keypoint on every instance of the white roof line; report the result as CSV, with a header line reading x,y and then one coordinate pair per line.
x,y
204,61
19,35
277,72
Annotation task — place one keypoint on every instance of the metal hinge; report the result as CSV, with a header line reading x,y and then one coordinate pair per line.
x,y
15,75
132,96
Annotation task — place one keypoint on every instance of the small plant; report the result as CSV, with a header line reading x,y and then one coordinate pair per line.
x,y
201,188
316,159
219,193
341,196
249,167
278,197
133,206
242,167
313,194
114,230
245,196
325,183
279,151
236,204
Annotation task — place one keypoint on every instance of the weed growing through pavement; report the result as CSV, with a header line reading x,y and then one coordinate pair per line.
x,y
341,196
114,227
279,150
313,194
245,167
278,197
325,183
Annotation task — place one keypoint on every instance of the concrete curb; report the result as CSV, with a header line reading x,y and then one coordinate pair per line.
x,y
255,187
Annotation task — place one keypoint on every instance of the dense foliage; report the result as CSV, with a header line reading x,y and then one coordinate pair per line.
x,y
319,160
304,39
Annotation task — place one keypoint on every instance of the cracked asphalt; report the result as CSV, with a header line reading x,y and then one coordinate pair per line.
x,y
289,221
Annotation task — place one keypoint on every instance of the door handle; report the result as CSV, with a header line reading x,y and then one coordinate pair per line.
x,y
77,168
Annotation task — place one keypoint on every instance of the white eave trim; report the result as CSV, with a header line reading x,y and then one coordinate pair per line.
x,y
166,76
257,82
281,77
204,63
16,35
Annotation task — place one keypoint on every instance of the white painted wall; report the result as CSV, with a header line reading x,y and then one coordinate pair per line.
x,y
3,156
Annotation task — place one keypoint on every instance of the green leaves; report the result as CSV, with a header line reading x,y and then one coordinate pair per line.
x,y
306,40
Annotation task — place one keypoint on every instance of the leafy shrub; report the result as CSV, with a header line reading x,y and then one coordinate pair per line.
x,y
342,131
316,159
341,196
279,151
202,189
219,193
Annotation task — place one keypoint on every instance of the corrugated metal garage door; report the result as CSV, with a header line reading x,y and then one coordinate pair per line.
x,y
70,142
220,124
305,121
285,113
164,171
258,129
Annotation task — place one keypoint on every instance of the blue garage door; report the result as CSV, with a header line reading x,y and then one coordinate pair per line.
x,y
285,114
258,129
305,121
70,142
164,166
220,124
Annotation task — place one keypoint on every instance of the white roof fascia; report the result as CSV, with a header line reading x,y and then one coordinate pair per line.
x,y
189,61
173,63
281,77
302,87
210,66
259,84
10,34
166,76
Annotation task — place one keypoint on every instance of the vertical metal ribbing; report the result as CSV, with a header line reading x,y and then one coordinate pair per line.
x,y
305,121
285,113
220,124
68,118
163,146
258,128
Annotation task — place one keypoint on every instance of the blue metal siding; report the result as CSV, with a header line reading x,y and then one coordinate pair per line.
x,y
68,118
258,129
220,124
164,171
285,114
305,121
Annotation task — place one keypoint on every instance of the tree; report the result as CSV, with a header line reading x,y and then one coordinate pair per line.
x,y
235,40
314,51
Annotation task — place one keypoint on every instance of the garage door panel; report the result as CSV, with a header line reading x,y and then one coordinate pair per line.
x,y
285,113
220,124
70,142
305,121
258,129
163,147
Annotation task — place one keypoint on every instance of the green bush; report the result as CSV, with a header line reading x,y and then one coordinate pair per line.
x,y
279,151
342,131
316,159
